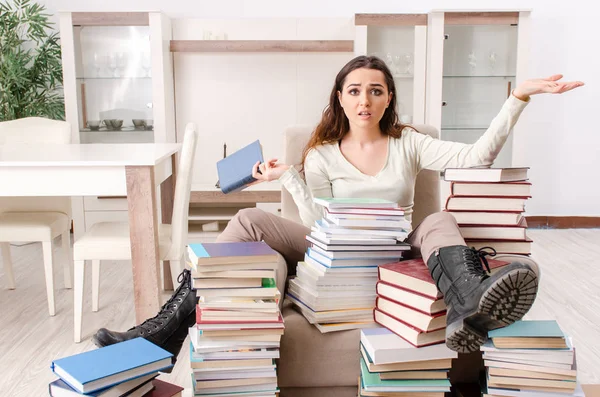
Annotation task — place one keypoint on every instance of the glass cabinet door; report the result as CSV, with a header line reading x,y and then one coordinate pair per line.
x,y
401,41
479,73
114,84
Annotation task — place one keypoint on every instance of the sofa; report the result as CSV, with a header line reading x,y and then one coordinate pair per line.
x,y
315,364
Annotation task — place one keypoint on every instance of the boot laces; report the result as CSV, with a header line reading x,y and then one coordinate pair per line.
x,y
475,261
169,308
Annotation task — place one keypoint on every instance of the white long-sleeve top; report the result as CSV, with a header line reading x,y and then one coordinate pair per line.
x,y
329,174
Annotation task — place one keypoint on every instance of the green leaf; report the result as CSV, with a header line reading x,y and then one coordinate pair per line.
x,y
30,62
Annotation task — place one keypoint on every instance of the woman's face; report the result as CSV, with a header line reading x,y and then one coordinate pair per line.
x,y
364,97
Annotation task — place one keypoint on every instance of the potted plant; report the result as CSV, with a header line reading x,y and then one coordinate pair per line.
x,y
30,63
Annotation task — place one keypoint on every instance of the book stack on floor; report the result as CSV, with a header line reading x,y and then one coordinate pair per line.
x,y
238,327
529,359
334,287
409,303
124,369
390,366
488,204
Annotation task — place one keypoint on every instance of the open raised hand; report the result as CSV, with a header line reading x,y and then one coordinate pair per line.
x,y
550,85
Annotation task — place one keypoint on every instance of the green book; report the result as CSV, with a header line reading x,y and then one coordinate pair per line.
x,y
529,329
268,282
371,382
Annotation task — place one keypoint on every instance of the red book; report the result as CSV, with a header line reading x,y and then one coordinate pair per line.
x,y
414,299
407,332
505,189
424,322
164,389
414,275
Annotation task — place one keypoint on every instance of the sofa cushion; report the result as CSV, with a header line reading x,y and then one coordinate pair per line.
x,y
309,358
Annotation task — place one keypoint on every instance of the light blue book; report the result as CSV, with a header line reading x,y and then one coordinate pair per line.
x,y
372,383
59,388
235,170
529,329
101,368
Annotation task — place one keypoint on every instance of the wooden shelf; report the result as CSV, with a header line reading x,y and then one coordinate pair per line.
x,y
262,45
110,18
243,197
390,19
212,213
481,18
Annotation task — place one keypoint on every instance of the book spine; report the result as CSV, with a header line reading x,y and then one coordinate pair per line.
x,y
234,186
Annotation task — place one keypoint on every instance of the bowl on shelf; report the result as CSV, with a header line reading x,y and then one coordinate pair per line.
x,y
113,124
149,124
139,124
93,125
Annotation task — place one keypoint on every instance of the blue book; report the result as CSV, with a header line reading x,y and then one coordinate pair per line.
x,y
59,388
529,329
101,368
235,170
243,252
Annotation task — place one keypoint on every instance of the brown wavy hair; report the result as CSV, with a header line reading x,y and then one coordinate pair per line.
x,y
334,124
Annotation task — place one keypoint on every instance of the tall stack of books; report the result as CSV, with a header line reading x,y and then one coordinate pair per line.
x,y
488,204
126,368
530,358
389,365
238,327
335,284
409,303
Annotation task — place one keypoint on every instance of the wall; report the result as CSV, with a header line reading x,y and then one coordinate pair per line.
x,y
560,143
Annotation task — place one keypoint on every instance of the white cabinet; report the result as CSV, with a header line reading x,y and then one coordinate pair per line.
x,y
118,88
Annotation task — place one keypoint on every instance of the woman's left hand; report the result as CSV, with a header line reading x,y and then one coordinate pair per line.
x,y
549,85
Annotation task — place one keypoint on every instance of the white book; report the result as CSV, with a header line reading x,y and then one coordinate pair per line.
x,y
327,263
487,218
334,327
365,255
324,226
496,391
385,347
331,239
508,174
247,374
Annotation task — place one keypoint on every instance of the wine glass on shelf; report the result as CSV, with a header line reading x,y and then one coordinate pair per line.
x,y
121,63
112,64
472,62
147,64
493,58
408,63
96,62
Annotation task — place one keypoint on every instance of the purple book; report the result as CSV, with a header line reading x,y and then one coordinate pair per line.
x,y
231,253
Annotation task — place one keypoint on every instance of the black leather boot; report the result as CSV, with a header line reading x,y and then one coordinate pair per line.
x,y
476,300
168,329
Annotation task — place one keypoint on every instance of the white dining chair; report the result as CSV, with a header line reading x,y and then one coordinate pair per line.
x,y
110,240
33,219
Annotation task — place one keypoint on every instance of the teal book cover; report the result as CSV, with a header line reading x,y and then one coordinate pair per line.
x,y
529,328
372,382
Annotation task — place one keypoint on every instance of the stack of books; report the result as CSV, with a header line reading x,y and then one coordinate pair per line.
x,y
390,365
488,204
126,368
334,286
409,303
238,327
530,358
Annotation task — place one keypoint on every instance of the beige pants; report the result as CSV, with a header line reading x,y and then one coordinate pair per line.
x,y
288,237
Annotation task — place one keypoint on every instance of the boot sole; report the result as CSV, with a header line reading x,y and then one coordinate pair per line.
x,y
507,300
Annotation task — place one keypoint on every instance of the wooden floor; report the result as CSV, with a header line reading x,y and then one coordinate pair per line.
x,y
30,339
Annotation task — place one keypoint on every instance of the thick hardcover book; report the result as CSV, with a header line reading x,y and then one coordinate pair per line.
x,y
414,275
230,253
97,369
235,170
486,174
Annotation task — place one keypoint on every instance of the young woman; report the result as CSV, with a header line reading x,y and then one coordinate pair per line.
x,y
359,149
